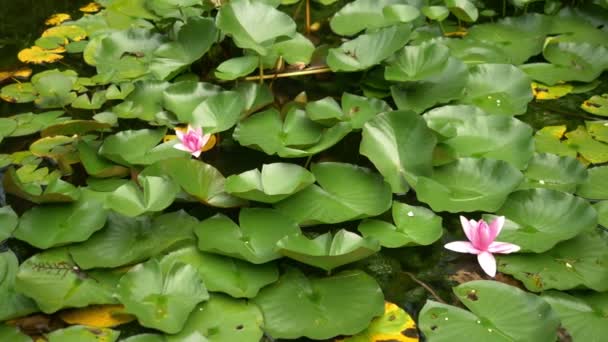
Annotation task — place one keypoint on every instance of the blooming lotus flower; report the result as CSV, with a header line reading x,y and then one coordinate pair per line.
x,y
481,242
192,141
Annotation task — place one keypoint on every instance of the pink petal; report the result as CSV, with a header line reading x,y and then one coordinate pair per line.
x,y
179,134
461,247
496,226
484,236
469,229
181,147
196,154
488,263
503,247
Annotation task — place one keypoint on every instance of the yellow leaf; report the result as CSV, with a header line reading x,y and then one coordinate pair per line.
x,y
57,19
555,131
98,316
71,32
21,73
394,325
545,92
91,7
38,55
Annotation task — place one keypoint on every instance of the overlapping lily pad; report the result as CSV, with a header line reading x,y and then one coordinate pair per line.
x,y
8,222
131,147
149,194
596,185
14,304
551,171
581,314
81,333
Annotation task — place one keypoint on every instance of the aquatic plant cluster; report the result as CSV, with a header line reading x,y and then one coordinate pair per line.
x,y
246,170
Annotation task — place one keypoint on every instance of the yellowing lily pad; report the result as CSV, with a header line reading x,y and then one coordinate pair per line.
x,y
38,55
21,73
57,19
91,7
592,150
98,316
394,325
71,32
597,105
544,92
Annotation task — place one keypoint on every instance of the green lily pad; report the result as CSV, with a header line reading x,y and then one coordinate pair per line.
x,y
54,88
13,334
400,145
345,192
127,240
472,133
241,19
222,319
359,109
239,279
575,263
81,333
55,282
438,13
149,194
598,130
547,140
49,189
161,297
71,127
254,240
328,251
183,97
256,95
368,49
18,93
499,312
120,91
237,67
13,304
295,50
367,14
551,171
498,89
96,165
131,147
51,225
29,123
464,10
413,226
319,308
417,62
540,218
95,101
145,338
582,315
7,126
602,212
145,102
596,185
597,105
469,184
594,151
274,183
218,112
8,222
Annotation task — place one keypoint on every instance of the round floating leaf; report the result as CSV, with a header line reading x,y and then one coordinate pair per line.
x,y
581,315
296,306
145,102
222,319
183,97
51,225
413,226
234,68
276,182
438,13
132,147
71,127
360,109
8,222
417,62
400,145
127,240
548,140
597,105
54,88
367,14
327,251
13,334
239,279
241,20
594,151
161,298
218,112
499,312
596,185
81,333
598,130
254,240
71,32
39,55
464,10
345,192
13,304
18,93
394,325
29,123
98,316
469,184
575,263
368,49
602,212
551,171
53,280
256,95
498,89
540,218
155,194
96,165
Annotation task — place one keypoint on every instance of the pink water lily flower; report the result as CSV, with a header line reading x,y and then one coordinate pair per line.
x,y
481,242
192,141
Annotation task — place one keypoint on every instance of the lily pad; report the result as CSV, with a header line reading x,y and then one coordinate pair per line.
x,y
8,222
575,263
540,218
345,192
594,151
54,88
161,298
319,308
254,240
131,147
602,212
366,14
274,183
96,165
14,304
236,67
13,334
597,105
239,279
581,314
551,171
328,251
400,145
149,194
51,225
464,10
81,333
417,62
64,283
548,140
499,312
395,324
184,96
218,112
222,319
469,184
413,226
145,102
596,185
128,240
18,93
